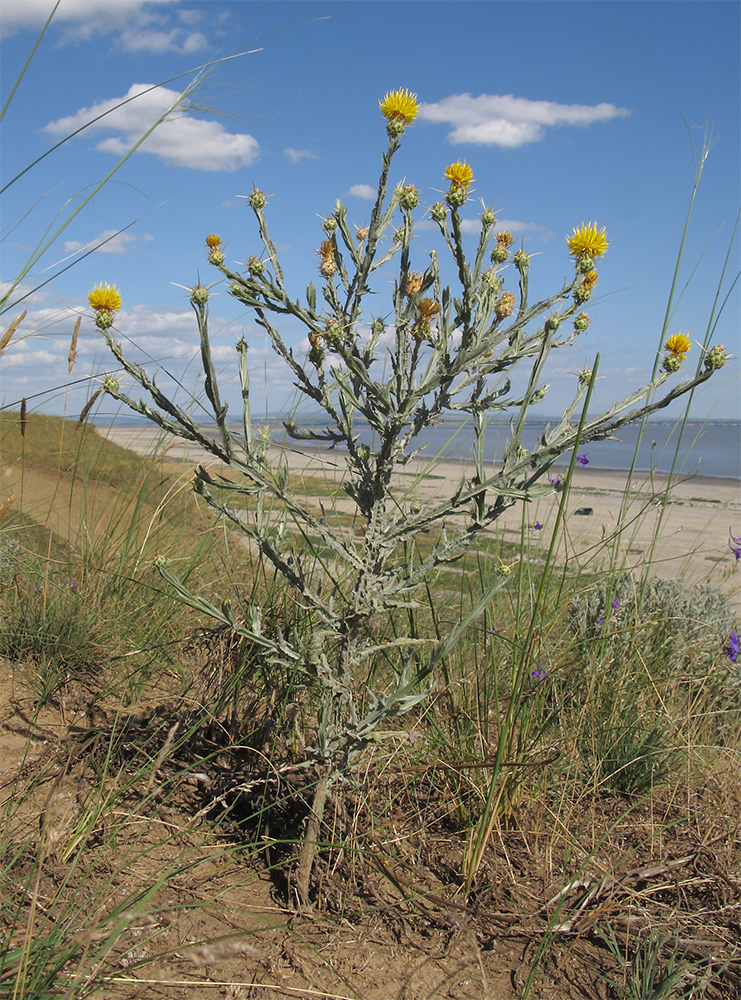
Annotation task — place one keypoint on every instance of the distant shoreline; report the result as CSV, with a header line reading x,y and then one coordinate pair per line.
x,y
695,521
308,448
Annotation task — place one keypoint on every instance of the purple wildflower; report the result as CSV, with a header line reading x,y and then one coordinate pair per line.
x,y
616,604
539,674
582,460
37,589
538,526
493,630
733,647
734,545
73,585
554,480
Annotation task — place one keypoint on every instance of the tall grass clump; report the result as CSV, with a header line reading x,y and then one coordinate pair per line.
x,y
445,348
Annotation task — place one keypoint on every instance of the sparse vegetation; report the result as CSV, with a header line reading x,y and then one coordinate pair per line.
x,y
319,743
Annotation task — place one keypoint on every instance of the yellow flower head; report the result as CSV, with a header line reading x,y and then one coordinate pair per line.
x,y
104,298
327,262
428,308
590,280
678,344
414,283
505,305
460,176
587,241
213,242
399,106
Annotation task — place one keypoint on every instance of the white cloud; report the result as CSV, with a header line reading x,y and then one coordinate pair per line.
x,y
364,191
508,121
181,140
141,320
190,16
513,225
145,40
138,25
109,241
297,155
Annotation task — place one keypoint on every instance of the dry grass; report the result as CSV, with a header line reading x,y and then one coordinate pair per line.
x,y
150,827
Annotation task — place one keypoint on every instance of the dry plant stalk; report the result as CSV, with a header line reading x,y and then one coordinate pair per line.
x,y
73,345
6,337
88,406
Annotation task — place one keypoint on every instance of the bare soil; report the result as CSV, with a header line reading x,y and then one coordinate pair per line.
x,y
391,921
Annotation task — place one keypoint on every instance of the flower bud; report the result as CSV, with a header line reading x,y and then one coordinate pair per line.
x,y
499,254
438,212
581,322
104,319
671,363
584,376
552,323
257,199
334,333
585,265
488,218
522,260
110,384
493,280
216,257
256,267
456,197
409,197
715,358
199,295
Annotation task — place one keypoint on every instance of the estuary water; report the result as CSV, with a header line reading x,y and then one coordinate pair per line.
x,y
708,448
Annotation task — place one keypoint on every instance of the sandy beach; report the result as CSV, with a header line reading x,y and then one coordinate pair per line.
x,y
694,530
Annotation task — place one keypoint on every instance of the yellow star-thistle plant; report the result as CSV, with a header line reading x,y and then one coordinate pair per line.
x,y
460,175
399,106
590,280
678,344
104,298
587,241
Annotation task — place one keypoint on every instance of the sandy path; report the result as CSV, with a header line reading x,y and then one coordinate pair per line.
x,y
693,539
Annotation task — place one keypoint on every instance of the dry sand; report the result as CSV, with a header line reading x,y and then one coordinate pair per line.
x,y
694,530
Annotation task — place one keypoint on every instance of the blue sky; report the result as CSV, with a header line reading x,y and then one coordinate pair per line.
x,y
567,113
